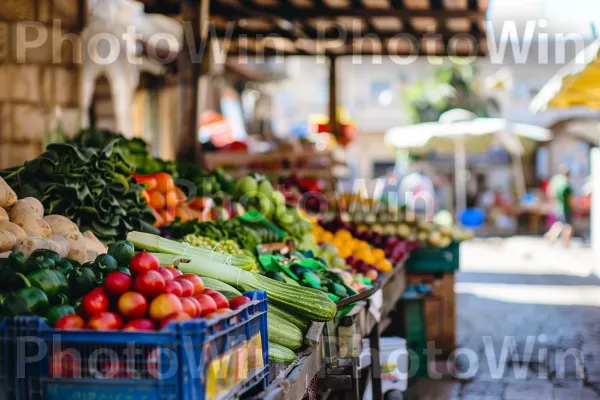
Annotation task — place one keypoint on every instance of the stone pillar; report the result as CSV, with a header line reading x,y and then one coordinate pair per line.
x,y
39,50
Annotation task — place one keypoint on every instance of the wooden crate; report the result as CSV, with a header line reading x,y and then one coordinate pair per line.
x,y
440,309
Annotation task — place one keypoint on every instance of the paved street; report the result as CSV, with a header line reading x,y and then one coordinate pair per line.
x,y
530,313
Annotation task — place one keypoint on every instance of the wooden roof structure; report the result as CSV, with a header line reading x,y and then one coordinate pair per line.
x,y
343,27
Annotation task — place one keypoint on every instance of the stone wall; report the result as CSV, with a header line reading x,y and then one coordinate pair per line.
x,y
39,74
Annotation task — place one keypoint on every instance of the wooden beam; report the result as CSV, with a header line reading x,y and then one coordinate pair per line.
x,y
189,73
296,13
291,12
333,98
332,34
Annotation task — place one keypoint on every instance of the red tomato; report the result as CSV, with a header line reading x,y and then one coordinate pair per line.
x,y
95,302
238,301
207,303
105,321
150,283
190,307
187,287
209,291
176,317
174,287
217,313
116,283
70,322
196,281
143,262
142,324
175,271
198,305
220,300
165,305
166,273
132,305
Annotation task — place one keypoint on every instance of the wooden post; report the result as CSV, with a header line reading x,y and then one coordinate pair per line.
x,y
333,104
195,16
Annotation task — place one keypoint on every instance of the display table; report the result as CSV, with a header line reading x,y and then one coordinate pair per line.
x,y
334,357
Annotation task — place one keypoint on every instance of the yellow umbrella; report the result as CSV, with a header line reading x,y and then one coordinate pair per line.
x,y
576,84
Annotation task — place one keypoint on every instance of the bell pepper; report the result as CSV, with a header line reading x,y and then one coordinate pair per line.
x,y
39,264
43,253
106,263
149,181
64,267
82,281
52,283
15,263
26,301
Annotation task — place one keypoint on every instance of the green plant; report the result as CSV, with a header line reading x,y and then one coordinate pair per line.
x,y
448,87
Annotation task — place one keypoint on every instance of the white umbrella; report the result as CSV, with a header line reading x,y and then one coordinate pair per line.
x,y
460,132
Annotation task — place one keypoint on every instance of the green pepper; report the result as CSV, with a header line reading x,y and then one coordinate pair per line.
x,y
125,270
311,280
333,297
338,290
43,253
39,264
76,264
82,281
26,301
51,282
106,263
64,267
57,312
18,260
123,251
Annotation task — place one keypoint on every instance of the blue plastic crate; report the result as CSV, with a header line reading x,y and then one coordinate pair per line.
x,y
38,362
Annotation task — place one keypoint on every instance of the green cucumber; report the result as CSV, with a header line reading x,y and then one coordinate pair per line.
x,y
280,354
225,289
298,321
283,332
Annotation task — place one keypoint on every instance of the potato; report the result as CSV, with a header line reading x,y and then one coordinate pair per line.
x,y
63,245
3,215
91,255
8,197
27,207
31,244
60,225
78,250
15,229
35,226
5,254
93,243
7,240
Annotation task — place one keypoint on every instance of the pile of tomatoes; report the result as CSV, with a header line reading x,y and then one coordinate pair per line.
x,y
148,299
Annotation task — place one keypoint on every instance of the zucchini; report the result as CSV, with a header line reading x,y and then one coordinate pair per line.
x,y
225,289
298,321
280,354
283,332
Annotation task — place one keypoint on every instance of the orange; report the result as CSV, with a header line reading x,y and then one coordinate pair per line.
x,y
164,182
327,237
171,199
362,245
157,200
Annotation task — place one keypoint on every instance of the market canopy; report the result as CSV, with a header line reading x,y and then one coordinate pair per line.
x,y
576,84
345,27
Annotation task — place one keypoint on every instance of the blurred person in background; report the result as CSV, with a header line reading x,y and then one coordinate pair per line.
x,y
561,192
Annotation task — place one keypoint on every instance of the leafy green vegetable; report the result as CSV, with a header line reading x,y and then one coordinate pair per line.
x,y
90,186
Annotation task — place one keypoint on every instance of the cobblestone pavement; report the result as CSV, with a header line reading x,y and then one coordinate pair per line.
x,y
530,313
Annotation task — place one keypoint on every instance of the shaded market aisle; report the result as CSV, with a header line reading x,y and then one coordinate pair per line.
x,y
529,317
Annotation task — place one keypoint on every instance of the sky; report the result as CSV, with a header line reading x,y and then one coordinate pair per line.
x,y
563,16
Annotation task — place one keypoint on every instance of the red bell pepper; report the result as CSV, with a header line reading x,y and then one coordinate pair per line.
x,y
149,181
